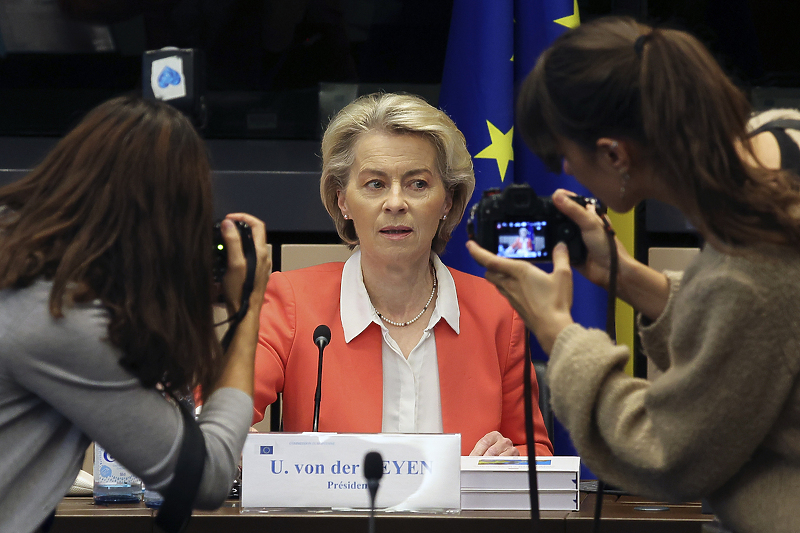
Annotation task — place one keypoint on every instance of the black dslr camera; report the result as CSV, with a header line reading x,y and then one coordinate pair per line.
x,y
221,252
518,224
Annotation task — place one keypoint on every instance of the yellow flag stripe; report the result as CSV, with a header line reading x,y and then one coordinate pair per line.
x,y
624,226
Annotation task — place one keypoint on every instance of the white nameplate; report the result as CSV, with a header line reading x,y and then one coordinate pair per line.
x,y
325,471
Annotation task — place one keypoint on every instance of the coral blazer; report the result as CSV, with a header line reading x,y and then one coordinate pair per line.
x,y
480,369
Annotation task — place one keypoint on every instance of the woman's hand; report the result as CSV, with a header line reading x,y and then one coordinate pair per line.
x,y
236,271
493,443
543,300
637,284
238,371
597,266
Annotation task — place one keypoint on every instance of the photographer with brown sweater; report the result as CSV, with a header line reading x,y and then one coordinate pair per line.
x,y
636,112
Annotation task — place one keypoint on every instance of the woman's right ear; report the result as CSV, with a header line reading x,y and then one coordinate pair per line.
x,y
614,153
340,201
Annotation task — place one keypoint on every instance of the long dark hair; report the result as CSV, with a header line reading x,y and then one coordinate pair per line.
x,y
121,210
661,88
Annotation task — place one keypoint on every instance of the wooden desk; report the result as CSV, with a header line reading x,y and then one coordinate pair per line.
x,y
620,514
80,514
629,514
468,521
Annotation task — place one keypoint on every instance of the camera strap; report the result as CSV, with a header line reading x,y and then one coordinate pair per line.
x,y
174,514
613,268
249,249
611,330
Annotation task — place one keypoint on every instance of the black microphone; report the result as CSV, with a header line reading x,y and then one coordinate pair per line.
x,y
322,336
373,471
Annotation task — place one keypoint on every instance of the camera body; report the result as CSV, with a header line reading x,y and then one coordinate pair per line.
x,y
221,252
518,224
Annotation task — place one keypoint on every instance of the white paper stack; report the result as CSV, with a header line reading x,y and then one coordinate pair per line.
x,y
502,483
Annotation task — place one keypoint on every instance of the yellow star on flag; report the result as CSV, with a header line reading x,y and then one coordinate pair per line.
x,y
500,149
570,21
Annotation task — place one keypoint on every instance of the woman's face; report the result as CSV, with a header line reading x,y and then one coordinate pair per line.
x,y
395,196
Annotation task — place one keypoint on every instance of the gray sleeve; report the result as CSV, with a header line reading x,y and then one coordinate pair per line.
x,y
224,421
68,363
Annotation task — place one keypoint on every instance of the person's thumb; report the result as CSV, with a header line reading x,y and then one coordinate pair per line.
x,y
561,257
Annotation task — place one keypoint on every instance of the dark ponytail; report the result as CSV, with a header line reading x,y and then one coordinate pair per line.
x,y
662,89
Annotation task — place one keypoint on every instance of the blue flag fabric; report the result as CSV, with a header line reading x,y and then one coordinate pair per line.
x,y
478,93
492,46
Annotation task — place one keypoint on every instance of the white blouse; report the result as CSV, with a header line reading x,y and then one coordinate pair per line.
x,y
411,398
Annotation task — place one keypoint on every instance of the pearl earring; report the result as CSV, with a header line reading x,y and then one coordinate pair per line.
x,y
444,217
346,217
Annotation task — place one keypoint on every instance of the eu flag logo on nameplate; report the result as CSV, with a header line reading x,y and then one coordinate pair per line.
x,y
266,450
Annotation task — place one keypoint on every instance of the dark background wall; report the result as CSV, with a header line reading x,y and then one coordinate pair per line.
x,y
277,70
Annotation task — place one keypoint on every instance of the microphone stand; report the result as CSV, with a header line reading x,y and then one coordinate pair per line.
x,y
322,336
533,484
318,393
372,513
373,471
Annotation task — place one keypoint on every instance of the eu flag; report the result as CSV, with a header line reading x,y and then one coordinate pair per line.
x,y
492,46
478,93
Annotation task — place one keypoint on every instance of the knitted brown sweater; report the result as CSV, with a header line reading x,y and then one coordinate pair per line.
x,y
723,420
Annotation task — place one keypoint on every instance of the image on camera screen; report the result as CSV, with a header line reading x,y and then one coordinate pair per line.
x,y
522,240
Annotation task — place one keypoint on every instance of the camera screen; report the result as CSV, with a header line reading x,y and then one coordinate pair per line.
x,y
522,240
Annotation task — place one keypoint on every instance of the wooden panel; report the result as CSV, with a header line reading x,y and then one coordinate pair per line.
x,y
294,256
671,258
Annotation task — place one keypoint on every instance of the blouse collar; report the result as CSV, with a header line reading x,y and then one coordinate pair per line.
x,y
356,309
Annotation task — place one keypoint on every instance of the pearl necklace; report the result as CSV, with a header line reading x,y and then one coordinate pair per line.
x,y
409,322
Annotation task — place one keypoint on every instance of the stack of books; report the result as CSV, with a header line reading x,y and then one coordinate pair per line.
x,y
502,483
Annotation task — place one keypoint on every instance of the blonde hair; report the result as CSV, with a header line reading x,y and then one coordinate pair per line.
x,y
400,114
